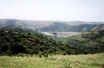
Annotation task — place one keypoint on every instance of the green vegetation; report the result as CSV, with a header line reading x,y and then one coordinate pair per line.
x,y
55,61
14,42
91,42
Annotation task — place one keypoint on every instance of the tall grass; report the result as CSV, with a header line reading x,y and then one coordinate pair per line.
x,y
56,61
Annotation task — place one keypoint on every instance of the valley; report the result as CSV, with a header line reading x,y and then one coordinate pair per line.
x,y
27,44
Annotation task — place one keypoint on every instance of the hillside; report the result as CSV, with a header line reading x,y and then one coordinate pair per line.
x,y
52,26
63,27
90,42
13,42
23,23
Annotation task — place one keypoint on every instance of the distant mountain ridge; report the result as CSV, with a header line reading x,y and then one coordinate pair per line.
x,y
52,26
62,27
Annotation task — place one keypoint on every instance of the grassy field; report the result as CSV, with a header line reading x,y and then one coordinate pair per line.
x,y
56,61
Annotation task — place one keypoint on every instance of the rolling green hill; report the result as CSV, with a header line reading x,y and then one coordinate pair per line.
x,y
13,42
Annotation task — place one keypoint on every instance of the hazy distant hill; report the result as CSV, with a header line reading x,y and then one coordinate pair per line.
x,y
62,27
52,26
23,23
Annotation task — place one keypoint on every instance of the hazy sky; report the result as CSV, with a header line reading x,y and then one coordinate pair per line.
x,y
63,10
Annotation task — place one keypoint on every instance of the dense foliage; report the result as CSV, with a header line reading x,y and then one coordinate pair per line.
x,y
15,42
12,42
92,42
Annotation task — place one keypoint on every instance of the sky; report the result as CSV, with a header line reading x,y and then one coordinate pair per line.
x,y
54,10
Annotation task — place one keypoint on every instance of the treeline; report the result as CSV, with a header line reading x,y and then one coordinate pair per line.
x,y
15,42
